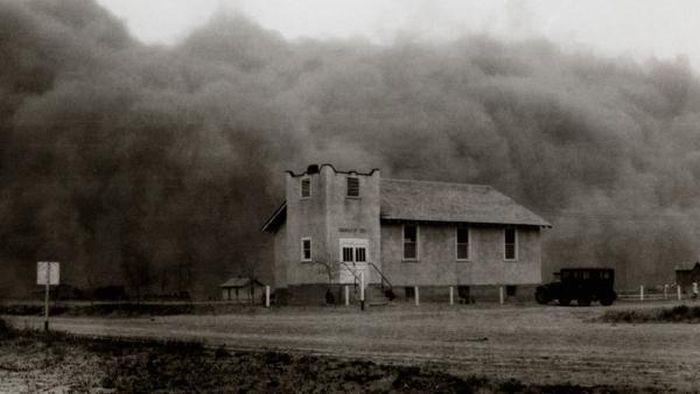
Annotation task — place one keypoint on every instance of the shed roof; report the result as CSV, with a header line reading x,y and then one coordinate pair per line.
x,y
239,282
451,202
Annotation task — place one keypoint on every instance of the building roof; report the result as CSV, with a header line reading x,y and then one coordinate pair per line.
x,y
276,219
451,202
239,282
440,202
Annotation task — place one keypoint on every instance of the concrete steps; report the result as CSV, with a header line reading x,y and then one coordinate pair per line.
x,y
376,296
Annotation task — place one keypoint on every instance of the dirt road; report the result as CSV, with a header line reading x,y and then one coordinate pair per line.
x,y
534,344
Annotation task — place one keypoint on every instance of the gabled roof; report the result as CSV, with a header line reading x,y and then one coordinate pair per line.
x,y
239,282
439,202
451,202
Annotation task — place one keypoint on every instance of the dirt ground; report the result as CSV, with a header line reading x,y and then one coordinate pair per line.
x,y
532,344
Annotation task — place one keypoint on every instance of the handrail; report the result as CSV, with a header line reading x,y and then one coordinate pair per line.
x,y
384,278
369,263
352,271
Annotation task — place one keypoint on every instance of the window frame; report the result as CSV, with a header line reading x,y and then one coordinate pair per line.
x,y
301,192
342,253
354,244
355,250
311,254
347,186
403,242
515,244
469,243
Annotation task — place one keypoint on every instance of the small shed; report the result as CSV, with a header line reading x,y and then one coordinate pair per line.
x,y
686,277
241,289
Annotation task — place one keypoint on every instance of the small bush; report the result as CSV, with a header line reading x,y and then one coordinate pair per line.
x,y
677,314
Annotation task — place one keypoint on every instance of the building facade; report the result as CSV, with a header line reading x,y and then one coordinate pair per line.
x,y
338,227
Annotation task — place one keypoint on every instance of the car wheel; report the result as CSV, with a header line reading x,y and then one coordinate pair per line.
x,y
541,297
606,300
564,301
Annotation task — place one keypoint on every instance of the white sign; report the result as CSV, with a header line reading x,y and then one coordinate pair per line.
x,y
47,271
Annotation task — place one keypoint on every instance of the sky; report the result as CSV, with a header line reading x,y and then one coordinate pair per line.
x,y
639,29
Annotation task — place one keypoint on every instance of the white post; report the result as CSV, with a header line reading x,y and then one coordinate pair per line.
x,y
417,295
347,295
665,292
500,294
452,295
678,289
362,290
641,293
46,297
267,296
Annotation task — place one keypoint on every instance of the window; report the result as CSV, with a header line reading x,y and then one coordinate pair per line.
x,y
510,247
306,249
410,242
354,250
358,254
463,243
347,255
410,292
463,292
353,187
306,187
510,291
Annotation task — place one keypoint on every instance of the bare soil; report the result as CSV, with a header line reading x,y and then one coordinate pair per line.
x,y
32,362
533,346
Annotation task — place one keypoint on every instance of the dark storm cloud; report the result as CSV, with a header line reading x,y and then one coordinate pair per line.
x,y
155,166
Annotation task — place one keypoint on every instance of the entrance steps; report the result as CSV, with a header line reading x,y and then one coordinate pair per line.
x,y
378,296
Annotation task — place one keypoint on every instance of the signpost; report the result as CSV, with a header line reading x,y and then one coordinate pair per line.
x,y
47,273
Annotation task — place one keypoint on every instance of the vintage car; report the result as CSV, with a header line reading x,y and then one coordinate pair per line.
x,y
584,285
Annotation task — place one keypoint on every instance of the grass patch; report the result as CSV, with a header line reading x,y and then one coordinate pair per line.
x,y
86,364
677,314
127,309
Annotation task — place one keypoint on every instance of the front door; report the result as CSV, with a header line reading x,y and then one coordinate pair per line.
x,y
354,257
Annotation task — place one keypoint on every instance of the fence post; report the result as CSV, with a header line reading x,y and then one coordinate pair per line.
x,y
678,289
665,292
347,295
641,293
267,296
452,295
417,295
500,294
362,291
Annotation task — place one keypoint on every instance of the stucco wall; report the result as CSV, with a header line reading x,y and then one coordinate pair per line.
x,y
305,218
327,216
353,217
437,264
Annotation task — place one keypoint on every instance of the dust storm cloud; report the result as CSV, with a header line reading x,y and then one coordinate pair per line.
x,y
154,166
